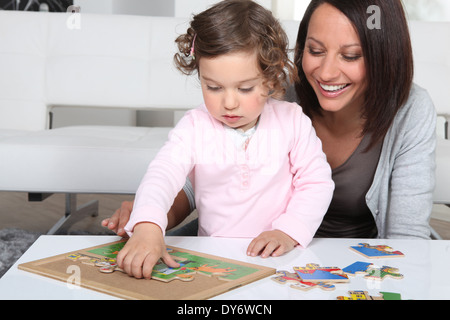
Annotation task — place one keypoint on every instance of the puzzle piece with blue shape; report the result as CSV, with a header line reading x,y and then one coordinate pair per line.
x,y
284,277
314,273
357,267
372,271
376,252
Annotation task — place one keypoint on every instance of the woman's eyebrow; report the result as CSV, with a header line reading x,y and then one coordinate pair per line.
x,y
315,40
351,45
342,46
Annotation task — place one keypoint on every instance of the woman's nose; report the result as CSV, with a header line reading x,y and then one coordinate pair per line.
x,y
329,69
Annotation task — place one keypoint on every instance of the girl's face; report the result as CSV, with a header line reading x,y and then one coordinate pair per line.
x,y
233,89
333,61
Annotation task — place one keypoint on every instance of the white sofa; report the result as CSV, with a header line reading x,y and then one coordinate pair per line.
x,y
114,61
431,46
110,62
92,61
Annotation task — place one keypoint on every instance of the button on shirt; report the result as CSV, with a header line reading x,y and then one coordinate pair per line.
x,y
241,139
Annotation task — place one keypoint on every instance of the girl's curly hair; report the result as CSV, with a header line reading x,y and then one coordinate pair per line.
x,y
239,25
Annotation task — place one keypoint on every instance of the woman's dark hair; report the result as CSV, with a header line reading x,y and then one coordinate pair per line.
x,y
238,25
388,60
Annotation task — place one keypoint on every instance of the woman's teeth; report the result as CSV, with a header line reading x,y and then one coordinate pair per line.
x,y
332,88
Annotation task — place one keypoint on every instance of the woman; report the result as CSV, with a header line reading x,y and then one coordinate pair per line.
x,y
376,126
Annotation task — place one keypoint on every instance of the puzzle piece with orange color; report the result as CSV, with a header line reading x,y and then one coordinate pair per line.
x,y
364,295
376,252
314,273
284,277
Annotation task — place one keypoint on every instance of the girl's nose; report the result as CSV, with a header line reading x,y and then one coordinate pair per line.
x,y
230,101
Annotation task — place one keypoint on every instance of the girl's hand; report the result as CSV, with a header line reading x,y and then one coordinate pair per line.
x,y
271,243
143,250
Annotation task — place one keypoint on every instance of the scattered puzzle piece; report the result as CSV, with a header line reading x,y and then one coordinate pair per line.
x,y
283,277
378,273
314,273
357,267
364,295
376,252
372,271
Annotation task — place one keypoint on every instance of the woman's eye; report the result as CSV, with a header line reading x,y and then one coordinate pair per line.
x,y
314,52
351,57
246,90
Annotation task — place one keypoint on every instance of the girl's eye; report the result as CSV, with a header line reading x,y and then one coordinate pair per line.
x,y
211,88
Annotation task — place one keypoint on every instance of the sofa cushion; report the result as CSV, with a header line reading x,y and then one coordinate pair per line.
x,y
114,159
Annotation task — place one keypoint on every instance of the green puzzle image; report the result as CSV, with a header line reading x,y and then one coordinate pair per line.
x,y
109,251
189,265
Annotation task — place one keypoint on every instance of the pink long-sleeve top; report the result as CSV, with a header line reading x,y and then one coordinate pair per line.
x,y
279,180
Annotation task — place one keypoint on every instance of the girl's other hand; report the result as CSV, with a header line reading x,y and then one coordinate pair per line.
x,y
271,243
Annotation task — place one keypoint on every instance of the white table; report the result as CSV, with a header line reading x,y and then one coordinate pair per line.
x,y
425,268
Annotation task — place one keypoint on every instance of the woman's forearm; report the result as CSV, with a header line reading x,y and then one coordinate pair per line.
x,y
179,210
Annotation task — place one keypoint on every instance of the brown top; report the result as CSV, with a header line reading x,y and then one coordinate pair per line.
x,y
348,215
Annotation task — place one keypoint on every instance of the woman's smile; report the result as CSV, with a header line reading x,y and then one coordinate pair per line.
x,y
332,90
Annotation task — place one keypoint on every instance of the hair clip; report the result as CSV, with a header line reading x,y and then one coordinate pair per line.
x,y
192,53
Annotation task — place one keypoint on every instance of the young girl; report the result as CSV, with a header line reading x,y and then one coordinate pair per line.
x,y
256,164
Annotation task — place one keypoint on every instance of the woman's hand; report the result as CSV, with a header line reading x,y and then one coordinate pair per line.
x,y
271,243
177,213
119,219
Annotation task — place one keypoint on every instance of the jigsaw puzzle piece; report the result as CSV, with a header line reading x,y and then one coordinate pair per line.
x,y
376,252
364,295
315,273
357,267
284,277
377,273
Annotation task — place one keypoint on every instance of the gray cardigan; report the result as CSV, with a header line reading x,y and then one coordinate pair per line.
x,y
401,195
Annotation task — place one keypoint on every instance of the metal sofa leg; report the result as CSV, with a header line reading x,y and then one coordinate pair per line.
x,y
435,235
74,214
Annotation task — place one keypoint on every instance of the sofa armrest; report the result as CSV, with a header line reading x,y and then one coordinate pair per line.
x,y
446,117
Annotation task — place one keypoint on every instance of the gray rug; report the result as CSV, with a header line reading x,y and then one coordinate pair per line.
x,y
13,243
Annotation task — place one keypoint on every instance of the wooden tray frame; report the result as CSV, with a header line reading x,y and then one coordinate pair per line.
x,y
123,286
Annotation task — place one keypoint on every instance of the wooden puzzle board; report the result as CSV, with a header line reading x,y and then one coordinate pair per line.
x,y
119,284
